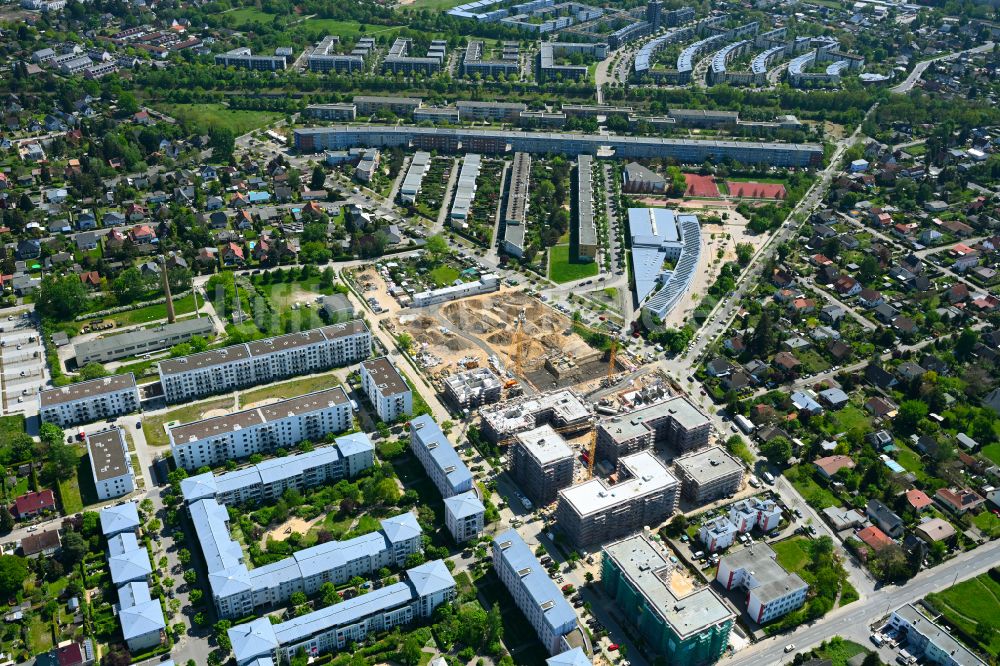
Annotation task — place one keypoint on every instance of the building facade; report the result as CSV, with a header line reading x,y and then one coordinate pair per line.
x,y
771,591
690,629
675,422
89,401
464,516
440,460
240,366
386,388
283,424
709,474
142,341
541,464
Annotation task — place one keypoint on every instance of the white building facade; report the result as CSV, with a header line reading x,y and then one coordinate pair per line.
x,y
386,388
88,401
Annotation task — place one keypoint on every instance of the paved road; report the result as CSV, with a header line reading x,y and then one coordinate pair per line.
x,y
921,67
867,611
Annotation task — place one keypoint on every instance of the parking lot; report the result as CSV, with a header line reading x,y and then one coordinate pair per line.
x,y
22,357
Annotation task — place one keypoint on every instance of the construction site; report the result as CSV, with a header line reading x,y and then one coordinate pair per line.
x,y
516,335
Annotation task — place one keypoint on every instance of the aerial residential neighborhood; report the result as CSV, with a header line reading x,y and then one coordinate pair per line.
x,y
487,333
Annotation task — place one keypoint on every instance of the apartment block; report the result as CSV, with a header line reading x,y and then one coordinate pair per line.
x,y
419,164
541,463
508,64
326,56
284,424
110,464
646,494
267,481
928,641
753,512
243,58
534,592
676,422
134,343
369,104
709,474
464,516
344,111
516,209
423,589
563,409
386,388
771,591
679,624
493,111
237,591
88,401
400,61
439,458
272,359
473,388
717,534
586,229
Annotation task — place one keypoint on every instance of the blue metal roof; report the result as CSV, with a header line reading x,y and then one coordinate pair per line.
x,y
120,518
428,434
464,505
512,552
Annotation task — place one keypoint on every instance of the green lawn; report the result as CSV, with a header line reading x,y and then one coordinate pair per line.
x,y
970,602
152,426
443,276
987,523
851,418
39,635
245,15
792,554
70,492
438,5
11,426
154,312
992,451
201,117
298,387
909,459
817,496
839,651
562,270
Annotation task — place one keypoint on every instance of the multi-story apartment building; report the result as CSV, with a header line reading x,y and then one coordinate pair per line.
x,y
709,474
110,464
682,628
586,230
326,58
717,534
675,422
237,591
646,494
215,440
464,516
243,58
335,627
929,642
493,111
439,458
369,104
687,151
135,343
268,480
516,209
541,463
89,401
386,388
771,591
534,592
343,111
473,388
754,512
239,366
508,64
399,61
562,409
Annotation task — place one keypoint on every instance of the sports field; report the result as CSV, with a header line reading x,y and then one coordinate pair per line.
x,y
753,190
700,186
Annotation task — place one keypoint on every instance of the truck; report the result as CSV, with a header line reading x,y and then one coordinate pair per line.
x,y
744,424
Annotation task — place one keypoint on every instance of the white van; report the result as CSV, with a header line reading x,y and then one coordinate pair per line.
x,y
768,477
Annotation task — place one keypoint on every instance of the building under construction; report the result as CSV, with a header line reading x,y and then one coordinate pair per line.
x,y
473,388
564,410
676,422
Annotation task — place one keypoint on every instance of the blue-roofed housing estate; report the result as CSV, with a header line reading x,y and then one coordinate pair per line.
x,y
660,235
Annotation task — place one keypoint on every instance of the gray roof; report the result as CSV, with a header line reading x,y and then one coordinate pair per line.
x,y
120,518
88,389
940,637
648,476
708,464
142,337
645,565
107,454
253,639
574,657
773,582
544,444
385,376
218,425
632,424
142,619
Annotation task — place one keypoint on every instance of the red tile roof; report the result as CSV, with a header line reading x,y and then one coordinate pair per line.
x,y
918,499
34,502
874,537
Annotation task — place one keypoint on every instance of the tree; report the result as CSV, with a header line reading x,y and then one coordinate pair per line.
x,y
868,270
74,548
744,252
318,178
223,142
911,412
93,370
61,298
763,337
221,629
6,519
436,248
130,285
13,572
777,450
409,652
61,462
117,656
967,340
871,659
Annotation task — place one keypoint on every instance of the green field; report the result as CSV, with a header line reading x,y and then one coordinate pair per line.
x,y
992,451
987,523
970,602
201,117
154,312
909,459
792,553
298,387
562,270
246,15
839,651
443,276
817,496
11,426
437,5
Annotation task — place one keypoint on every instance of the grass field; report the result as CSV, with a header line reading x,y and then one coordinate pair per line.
x,y
839,651
992,451
153,426
792,553
200,117
10,427
817,496
851,418
562,270
970,602
153,312
437,5
909,459
987,523
443,276
298,387
79,491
